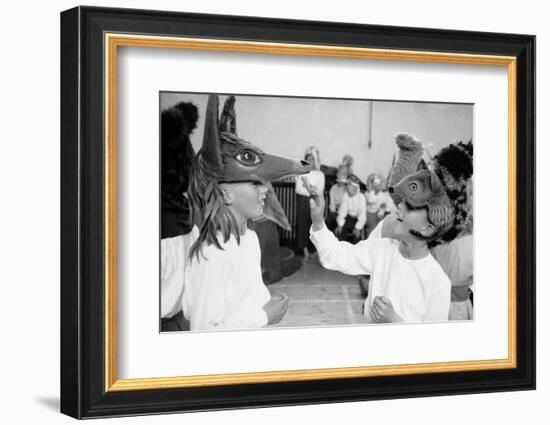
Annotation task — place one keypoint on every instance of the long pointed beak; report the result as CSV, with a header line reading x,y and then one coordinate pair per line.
x,y
273,209
271,168
276,168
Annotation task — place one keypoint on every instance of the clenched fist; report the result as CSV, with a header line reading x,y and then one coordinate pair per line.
x,y
383,312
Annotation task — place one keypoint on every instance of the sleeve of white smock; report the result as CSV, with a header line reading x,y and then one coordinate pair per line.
x,y
174,254
342,256
216,299
171,276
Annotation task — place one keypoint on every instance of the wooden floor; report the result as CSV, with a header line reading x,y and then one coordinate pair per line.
x,y
319,297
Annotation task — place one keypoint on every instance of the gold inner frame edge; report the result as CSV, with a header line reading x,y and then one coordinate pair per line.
x,y
111,43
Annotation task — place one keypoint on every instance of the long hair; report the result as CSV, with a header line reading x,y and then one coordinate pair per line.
x,y
208,209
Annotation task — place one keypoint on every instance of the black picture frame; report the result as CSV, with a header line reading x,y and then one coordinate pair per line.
x,y
83,392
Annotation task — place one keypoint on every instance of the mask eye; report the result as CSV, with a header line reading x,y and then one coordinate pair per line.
x,y
413,186
248,157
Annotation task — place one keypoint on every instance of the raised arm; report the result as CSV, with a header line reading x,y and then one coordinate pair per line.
x,y
343,256
333,254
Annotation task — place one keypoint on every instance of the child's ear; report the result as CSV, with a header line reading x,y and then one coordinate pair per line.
x,y
428,230
227,195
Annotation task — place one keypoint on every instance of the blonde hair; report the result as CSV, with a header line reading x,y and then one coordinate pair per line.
x,y
208,209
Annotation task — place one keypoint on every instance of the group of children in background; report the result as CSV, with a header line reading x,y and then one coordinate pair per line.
x,y
353,212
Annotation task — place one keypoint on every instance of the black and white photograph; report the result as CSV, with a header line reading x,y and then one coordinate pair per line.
x,y
285,212
264,210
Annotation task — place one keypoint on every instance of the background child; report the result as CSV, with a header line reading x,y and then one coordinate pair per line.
x,y
177,232
454,165
316,179
347,161
336,195
352,213
378,201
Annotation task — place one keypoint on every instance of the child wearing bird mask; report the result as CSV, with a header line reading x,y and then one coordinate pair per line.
x,y
407,284
228,188
454,250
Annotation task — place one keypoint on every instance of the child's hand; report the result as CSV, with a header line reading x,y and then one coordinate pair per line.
x,y
275,308
357,233
338,231
383,312
316,204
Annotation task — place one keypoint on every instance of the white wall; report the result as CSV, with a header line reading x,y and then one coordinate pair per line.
x,y
287,126
29,230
